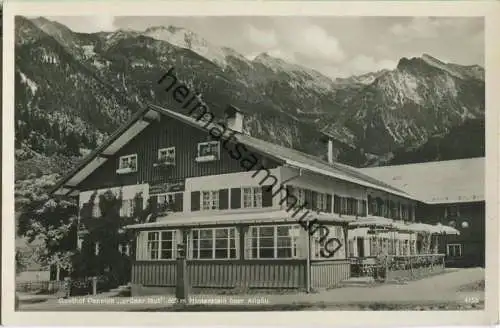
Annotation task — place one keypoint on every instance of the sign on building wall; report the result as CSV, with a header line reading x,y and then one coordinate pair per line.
x,y
167,187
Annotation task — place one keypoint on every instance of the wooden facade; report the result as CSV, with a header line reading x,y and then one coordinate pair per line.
x,y
233,190
468,248
165,133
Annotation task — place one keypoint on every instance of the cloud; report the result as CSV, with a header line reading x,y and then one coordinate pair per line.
x,y
286,56
362,64
433,27
314,42
87,24
262,38
420,27
103,23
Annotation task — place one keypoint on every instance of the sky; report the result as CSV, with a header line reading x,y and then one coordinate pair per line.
x,y
335,46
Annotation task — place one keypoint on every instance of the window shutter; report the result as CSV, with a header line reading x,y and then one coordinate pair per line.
x,y
314,200
289,196
138,206
336,204
328,203
141,247
308,196
179,202
195,201
267,196
153,204
223,199
235,198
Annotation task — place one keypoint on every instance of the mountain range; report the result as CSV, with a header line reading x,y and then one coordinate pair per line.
x,y
73,89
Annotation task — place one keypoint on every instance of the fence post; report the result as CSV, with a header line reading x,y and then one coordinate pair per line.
x,y
94,286
182,283
386,276
411,266
67,287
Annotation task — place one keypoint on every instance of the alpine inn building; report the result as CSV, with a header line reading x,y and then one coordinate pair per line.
x,y
211,194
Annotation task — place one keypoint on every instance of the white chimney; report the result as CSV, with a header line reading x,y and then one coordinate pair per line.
x,y
234,118
332,148
330,151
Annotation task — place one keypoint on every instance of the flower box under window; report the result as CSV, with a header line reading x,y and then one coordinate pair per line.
x,y
166,157
208,151
127,164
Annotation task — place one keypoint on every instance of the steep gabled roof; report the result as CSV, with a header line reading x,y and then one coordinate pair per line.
x,y
287,156
455,181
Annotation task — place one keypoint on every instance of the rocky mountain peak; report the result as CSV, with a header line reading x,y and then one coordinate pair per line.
x,y
184,38
379,112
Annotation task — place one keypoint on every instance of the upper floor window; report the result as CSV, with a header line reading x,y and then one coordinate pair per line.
x,y
452,211
127,164
454,250
394,210
321,201
127,209
96,210
361,207
216,243
210,200
405,215
349,206
208,151
252,197
166,156
124,248
169,202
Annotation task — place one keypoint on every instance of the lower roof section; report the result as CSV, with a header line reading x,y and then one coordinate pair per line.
x,y
232,218
389,224
442,182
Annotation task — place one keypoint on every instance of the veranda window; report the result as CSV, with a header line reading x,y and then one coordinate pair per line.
x,y
252,197
216,243
406,247
161,245
272,242
333,240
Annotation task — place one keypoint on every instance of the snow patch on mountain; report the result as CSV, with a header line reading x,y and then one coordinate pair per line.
x,y
441,65
88,51
309,77
31,84
401,86
184,38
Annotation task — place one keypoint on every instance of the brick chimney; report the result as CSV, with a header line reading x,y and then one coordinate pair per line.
x,y
234,118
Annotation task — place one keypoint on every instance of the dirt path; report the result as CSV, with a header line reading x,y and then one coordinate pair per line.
x,y
442,288
439,288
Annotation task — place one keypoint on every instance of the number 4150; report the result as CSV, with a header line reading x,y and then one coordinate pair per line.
x,y
471,299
